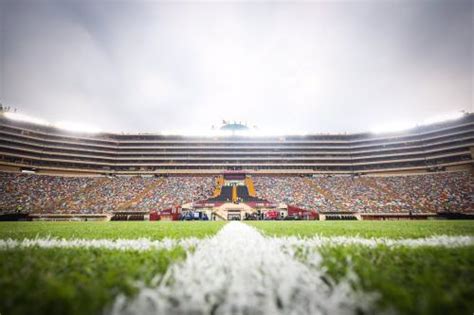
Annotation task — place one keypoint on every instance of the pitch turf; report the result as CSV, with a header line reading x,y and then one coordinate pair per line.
x,y
387,229
108,230
75,281
84,281
425,280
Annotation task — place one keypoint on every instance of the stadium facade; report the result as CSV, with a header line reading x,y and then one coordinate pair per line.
x,y
442,146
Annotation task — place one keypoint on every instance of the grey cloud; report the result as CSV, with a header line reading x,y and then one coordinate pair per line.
x,y
300,66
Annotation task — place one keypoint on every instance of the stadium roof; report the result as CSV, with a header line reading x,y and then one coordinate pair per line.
x,y
234,127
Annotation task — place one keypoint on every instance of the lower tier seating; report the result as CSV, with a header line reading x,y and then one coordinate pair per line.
x,y
448,192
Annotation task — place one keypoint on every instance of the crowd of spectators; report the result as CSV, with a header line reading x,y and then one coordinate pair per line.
x,y
107,194
291,190
25,193
441,192
436,192
174,191
362,194
87,195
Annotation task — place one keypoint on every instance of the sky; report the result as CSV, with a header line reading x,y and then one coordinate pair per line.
x,y
286,67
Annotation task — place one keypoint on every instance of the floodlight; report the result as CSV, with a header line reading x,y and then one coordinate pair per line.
x,y
393,127
76,127
443,118
25,118
396,127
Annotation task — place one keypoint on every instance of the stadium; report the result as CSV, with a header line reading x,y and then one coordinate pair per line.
x,y
425,173
236,157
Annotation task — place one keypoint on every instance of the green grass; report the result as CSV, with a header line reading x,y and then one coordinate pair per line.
x,y
83,281
388,229
421,281
74,281
108,230
425,280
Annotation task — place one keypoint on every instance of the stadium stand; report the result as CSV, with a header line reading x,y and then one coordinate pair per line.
x,y
437,192
177,190
87,195
428,169
422,193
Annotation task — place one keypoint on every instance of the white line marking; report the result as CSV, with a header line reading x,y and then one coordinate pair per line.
x,y
120,244
282,242
319,241
239,271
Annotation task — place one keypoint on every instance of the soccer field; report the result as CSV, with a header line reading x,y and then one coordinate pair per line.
x,y
419,267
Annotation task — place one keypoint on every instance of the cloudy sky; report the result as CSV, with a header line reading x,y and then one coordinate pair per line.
x,y
318,66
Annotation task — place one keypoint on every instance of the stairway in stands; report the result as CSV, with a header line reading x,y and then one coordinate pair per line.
x,y
218,188
250,187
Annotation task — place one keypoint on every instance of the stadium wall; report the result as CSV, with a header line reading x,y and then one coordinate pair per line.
x,y
439,147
